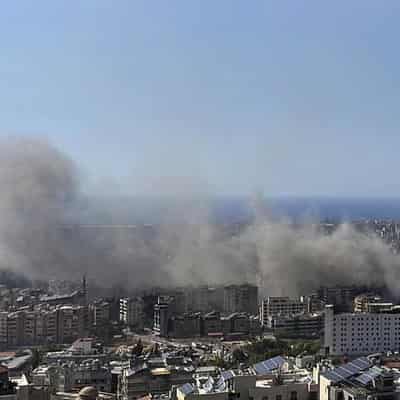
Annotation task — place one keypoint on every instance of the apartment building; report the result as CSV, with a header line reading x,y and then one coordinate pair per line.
x,y
241,298
247,385
138,382
131,311
101,313
361,333
60,325
281,306
358,379
71,323
362,301
297,326
15,328
3,328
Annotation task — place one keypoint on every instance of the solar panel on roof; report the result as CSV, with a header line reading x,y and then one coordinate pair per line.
x,y
331,376
260,369
362,363
348,370
369,375
343,372
351,368
269,365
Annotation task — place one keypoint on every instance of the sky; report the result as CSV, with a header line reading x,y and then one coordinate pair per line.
x,y
296,98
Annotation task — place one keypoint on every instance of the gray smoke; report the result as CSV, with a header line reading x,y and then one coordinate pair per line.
x,y
41,199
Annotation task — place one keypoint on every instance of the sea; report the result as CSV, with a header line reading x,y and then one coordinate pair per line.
x,y
138,210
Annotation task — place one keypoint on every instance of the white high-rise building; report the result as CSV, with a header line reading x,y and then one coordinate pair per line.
x,y
361,333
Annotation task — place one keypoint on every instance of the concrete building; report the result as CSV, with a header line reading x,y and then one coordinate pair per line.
x,y
313,304
100,313
241,298
78,297
17,363
15,328
88,373
190,325
131,311
297,326
59,325
51,326
185,325
71,323
162,314
87,393
212,324
248,385
361,333
357,380
280,306
362,301
341,297
204,299
7,387
142,380
3,328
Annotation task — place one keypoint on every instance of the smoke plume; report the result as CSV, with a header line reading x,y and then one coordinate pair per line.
x,y
41,199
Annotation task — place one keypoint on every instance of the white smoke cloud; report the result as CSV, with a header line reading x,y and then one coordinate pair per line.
x,y
41,196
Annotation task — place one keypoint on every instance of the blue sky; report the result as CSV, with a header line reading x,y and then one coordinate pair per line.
x,y
291,97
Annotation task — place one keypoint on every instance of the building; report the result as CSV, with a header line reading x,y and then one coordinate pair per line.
x,y
190,325
76,376
87,393
16,363
362,301
142,380
100,313
297,326
77,297
359,380
262,383
280,306
185,325
241,298
3,328
212,324
51,326
342,297
313,304
7,387
204,299
15,328
131,311
40,326
361,333
162,314
72,321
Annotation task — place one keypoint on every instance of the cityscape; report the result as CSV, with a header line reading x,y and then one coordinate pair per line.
x,y
59,340
199,200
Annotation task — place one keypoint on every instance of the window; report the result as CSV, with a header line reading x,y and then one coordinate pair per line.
x,y
293,395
